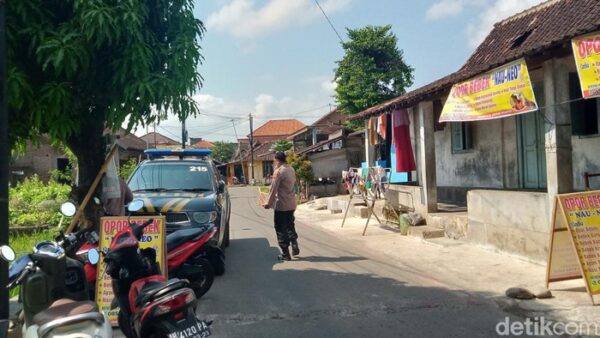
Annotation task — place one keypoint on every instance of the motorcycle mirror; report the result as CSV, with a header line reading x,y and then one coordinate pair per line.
x,y
68,209
93,256
7,253
135,205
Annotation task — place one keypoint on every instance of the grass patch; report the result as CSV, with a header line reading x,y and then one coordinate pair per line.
x,y
23,244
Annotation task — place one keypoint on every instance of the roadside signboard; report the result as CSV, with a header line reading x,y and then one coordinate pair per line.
x,y
586,50
154,237
502,92
574,250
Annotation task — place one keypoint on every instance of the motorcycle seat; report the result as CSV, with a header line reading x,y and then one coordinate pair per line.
x,y
64,308
156,290
179,237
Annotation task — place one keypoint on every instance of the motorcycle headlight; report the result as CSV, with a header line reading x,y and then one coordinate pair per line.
x,y
204,217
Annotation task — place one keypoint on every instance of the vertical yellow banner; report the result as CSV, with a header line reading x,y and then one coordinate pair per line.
x,y
586,50
154,237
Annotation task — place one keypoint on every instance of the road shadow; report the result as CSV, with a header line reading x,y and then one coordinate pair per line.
x,y
323,259
260,297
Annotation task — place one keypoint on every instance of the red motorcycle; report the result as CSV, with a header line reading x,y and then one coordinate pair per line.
x,y
149,304
189,256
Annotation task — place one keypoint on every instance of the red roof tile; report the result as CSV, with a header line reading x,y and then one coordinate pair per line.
x,y
279,128
203,144
545,26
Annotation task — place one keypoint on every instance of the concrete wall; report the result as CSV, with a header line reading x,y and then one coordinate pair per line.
x,y
510,221
38,159
329,163
407,197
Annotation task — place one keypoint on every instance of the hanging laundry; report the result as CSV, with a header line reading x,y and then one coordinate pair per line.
x,y
382,125
405,160
372,130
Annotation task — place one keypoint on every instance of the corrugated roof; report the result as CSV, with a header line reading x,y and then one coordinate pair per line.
x,y
279,128
545,26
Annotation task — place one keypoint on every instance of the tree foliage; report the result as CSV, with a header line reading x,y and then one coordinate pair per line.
x,y
223,151
372,69
127,168
302,166
76,67
283,146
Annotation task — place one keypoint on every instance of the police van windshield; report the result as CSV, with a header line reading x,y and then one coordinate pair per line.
x,y
172,177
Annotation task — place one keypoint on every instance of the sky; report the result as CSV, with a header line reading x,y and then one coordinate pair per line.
x,y
275,59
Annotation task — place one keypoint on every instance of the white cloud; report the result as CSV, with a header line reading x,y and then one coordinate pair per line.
x,y
447,8
244,19
214,122
499,10
328,87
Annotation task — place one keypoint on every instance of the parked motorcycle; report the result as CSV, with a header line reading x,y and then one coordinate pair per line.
x,y
149,304
54,295
189,256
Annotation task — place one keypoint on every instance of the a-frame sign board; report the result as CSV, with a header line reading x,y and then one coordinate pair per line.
x,y
574,250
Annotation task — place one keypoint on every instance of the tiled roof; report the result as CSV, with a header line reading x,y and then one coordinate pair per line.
x,y
261,151
203,144
279,128
545,26
318,145
126,140
328,123
160,139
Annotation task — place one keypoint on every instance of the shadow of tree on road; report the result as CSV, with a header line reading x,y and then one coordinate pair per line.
x,y
258,297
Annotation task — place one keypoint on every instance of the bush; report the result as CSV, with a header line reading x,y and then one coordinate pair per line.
x,y
127,168
32,202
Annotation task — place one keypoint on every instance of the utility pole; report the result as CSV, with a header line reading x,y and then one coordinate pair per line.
x,y
251,145
183,134
4,158
239,152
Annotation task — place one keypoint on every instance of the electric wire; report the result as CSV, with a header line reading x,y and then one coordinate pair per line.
x,y
329,20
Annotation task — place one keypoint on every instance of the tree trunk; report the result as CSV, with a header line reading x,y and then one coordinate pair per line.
x,y
89,146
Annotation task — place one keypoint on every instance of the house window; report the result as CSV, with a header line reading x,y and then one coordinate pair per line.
x,y
462,137
267,169
584,113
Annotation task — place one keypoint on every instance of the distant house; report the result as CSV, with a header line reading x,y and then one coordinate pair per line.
x,y
264,137
200,143
331,148
42,158
276,130
159,141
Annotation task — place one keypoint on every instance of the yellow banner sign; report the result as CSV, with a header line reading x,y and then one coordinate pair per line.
x,y
587,57
154,237
501,92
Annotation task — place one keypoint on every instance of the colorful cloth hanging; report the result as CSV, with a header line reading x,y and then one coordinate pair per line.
x,y
382,125
372,130
405,160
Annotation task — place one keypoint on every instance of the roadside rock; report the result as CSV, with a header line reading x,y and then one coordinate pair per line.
x,y
519,293
543,293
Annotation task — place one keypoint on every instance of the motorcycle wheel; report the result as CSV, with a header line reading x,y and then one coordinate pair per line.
x,y
203,284
125,325
217,260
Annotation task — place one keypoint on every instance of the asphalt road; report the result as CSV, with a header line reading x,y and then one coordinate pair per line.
x,y
334,289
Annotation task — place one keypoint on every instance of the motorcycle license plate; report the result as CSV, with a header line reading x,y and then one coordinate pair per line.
x,y
191,329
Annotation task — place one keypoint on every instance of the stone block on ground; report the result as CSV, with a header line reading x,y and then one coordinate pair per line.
x,y
519,293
